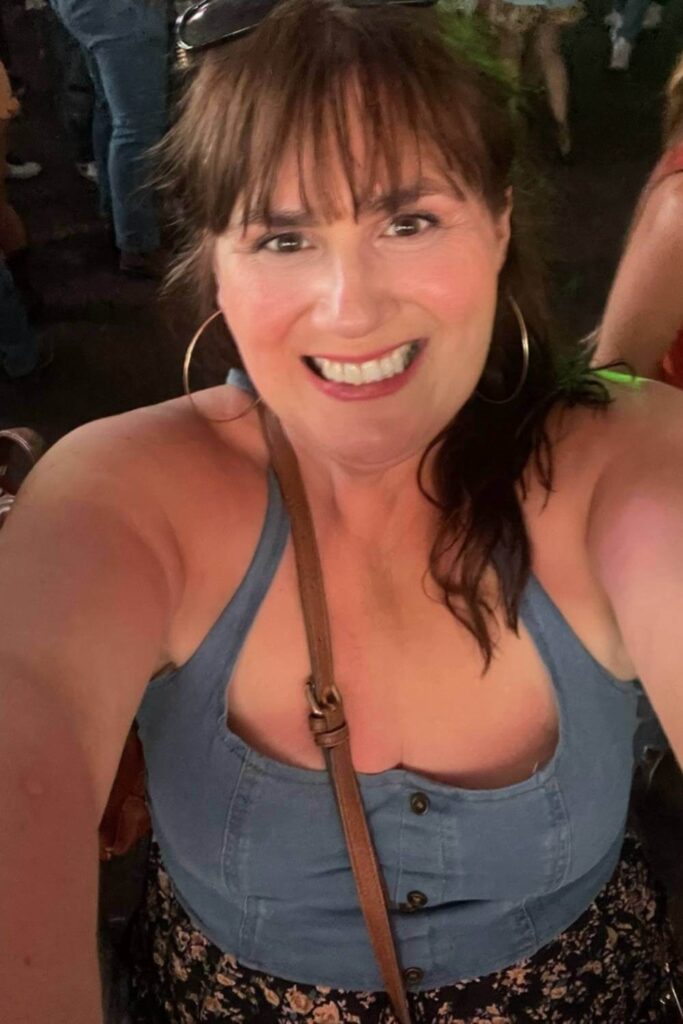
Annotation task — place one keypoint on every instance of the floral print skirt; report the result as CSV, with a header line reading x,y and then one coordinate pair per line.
x,y
612,965
523,17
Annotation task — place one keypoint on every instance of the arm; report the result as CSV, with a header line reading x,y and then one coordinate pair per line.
x,y
89,583
635,536
644,310
9,105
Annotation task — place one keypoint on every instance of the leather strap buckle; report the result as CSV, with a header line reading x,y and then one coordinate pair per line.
x,y
332,703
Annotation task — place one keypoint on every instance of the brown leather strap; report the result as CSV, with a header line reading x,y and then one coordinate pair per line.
x,y
327,719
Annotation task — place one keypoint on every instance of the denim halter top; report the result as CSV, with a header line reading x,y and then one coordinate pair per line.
x,y
477,879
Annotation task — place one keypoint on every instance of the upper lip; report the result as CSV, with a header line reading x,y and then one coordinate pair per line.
x,y
366,357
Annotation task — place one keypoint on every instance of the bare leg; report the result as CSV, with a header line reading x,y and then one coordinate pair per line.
x,y
547,45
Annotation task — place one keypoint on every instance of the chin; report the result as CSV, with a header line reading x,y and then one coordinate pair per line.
x,y
367,450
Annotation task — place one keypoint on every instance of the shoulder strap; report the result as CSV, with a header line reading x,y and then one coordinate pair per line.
x,y
327,719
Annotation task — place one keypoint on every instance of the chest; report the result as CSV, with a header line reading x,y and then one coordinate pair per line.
x,y
411,676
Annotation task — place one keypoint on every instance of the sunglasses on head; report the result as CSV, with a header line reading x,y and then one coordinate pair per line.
x,y
216,21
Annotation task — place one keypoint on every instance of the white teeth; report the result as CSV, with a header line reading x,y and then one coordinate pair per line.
x,y
370,371
398,359
353,374
330,370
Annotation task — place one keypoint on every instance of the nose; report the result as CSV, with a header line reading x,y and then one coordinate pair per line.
x,y
353,299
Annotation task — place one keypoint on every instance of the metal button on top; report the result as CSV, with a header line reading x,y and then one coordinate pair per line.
x,y
419,803
417,900
413,975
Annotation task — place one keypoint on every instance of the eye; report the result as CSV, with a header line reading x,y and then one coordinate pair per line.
x,y
287,242
407,225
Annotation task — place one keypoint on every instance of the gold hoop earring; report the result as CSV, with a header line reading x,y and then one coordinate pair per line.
x,y
189,352
526,357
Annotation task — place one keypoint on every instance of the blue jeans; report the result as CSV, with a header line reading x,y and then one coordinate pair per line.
x,y
18,345
73,86
126,43
633,12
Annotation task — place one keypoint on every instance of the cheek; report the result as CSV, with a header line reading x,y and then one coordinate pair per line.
x,y
258,308
457,287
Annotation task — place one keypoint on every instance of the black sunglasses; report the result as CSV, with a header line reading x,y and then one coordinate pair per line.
x,y
216,21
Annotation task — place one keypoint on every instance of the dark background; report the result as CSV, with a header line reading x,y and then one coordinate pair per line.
x,y
115,348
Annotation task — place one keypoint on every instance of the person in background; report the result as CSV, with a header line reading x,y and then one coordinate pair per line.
x,y
539,23
74,92
643,320
625,21
126,42
16,167
19,351
5,57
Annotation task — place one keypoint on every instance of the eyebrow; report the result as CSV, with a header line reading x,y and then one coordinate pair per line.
x,y
388,202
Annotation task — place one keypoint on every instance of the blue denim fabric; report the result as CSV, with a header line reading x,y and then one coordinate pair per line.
x,y
255,849
74,89
633,13
18,345
126,42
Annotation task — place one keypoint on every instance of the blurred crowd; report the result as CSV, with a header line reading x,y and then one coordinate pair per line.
x,y
111,65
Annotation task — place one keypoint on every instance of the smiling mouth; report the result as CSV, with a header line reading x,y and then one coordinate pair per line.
x,y
370,372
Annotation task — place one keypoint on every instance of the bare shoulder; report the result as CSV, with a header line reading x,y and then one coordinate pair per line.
x,y
175,431
634,538
155,457
613,464
604,460
185,479
617,488
127,540
640,479
639,429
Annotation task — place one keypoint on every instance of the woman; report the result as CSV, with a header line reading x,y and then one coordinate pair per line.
x,y
540,22
643,321
346,170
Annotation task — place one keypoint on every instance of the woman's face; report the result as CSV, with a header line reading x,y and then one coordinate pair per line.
x,y
365,334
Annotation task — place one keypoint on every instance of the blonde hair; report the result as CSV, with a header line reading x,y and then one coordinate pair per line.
x,y
673,113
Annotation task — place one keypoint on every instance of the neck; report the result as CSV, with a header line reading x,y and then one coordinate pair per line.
x,y
373,508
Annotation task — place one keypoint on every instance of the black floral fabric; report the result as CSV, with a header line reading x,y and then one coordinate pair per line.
x,y
523,17
613,966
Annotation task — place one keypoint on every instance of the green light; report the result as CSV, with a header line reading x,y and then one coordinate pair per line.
x,y
629,380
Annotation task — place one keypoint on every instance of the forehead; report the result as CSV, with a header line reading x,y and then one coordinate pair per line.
x,y
330,180
357,176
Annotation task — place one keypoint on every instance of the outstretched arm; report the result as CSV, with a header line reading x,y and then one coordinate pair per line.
x,y
635,535
644,310
88,590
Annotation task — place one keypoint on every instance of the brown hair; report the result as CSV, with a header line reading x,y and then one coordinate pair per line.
x,y
413,78
673,112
